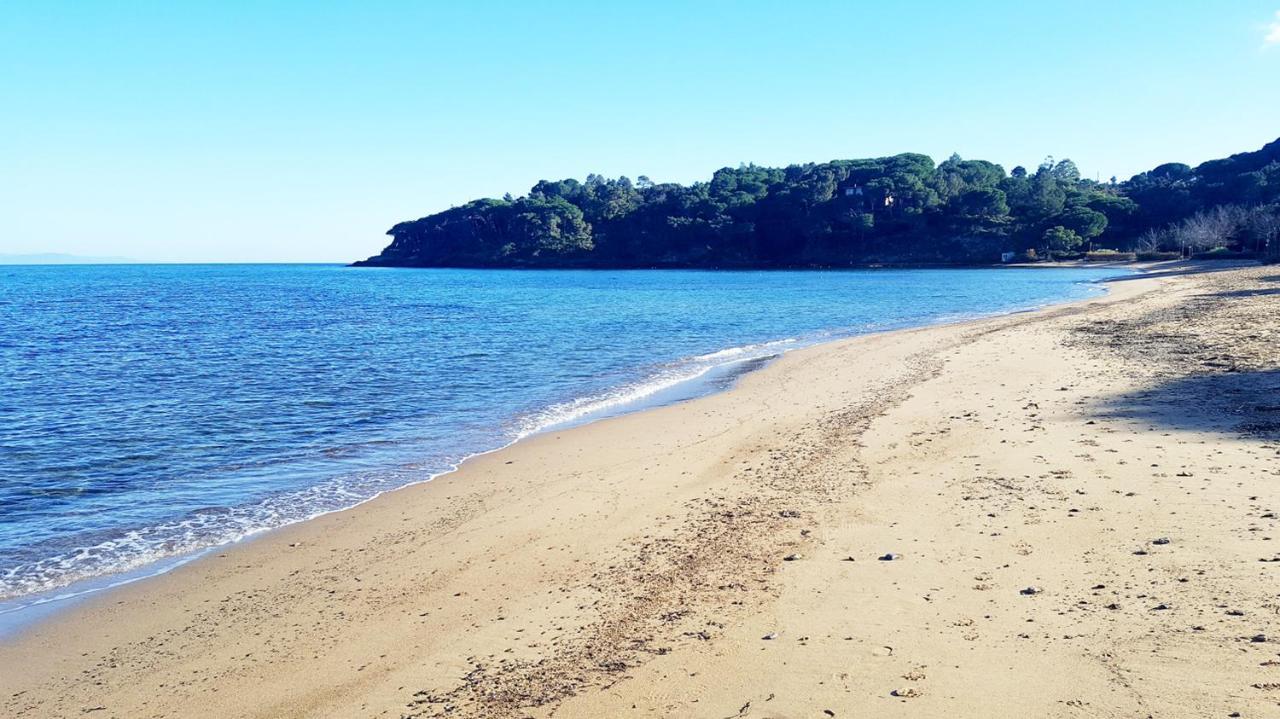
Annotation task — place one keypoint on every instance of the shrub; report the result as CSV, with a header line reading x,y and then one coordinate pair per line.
x,y
1060,239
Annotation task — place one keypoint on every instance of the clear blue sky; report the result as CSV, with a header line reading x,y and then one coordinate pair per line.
x,y
279,131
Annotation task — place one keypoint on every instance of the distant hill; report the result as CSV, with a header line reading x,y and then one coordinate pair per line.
x,y
59,258
902,209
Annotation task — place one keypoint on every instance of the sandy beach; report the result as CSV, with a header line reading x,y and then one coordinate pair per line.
x,y
1065,513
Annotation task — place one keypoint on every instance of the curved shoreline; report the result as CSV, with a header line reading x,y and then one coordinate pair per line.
x,y
23,612
635,563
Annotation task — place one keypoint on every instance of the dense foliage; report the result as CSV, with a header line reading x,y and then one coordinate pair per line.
x,y
900,209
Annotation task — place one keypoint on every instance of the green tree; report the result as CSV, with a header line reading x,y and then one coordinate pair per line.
x,y
983,202
863,223
1060,239
1086,223
1045,196
550,227
1066,171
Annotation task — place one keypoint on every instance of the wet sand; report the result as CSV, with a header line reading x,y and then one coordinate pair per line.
x,y
1064,513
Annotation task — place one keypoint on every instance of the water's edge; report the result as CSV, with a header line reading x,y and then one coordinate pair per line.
x,y
22,613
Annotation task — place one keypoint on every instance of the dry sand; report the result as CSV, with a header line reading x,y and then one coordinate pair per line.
x,y
1080,505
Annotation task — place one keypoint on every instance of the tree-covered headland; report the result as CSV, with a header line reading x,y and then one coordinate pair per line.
x,y
903,209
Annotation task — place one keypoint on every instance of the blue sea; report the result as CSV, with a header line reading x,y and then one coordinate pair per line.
x,y
148,412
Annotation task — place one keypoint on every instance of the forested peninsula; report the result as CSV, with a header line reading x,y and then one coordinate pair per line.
x,y
899,210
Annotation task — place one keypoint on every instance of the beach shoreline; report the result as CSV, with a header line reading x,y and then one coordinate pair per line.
x,y
590,570
698,376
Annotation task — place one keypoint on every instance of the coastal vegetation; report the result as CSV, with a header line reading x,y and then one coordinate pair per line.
x,y
904,209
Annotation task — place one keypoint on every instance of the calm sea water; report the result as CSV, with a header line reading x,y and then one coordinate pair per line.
x,y
147,412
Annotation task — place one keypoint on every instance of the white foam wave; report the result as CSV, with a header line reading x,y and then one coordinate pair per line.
x,y
139,547
161,545
635,393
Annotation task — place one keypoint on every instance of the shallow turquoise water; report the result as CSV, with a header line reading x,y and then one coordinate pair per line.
x,y
150,411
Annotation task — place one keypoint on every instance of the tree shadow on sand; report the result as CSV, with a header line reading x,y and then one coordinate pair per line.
x,y
1247,293
1234,403
1179,268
